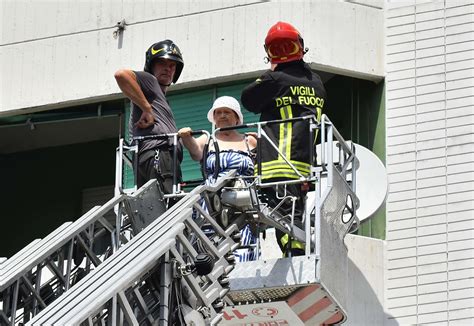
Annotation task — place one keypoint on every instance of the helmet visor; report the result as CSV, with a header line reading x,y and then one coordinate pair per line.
x,y
283,50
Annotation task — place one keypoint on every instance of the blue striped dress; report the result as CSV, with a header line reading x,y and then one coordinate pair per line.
x,y
242,162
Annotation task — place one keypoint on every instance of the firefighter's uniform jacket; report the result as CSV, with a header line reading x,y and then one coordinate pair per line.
x,y
291,90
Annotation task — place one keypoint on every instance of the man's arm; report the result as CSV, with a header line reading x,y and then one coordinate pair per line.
x,y
127,81
257,95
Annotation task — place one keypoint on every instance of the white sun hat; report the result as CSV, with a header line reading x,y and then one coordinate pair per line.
x,y
225,102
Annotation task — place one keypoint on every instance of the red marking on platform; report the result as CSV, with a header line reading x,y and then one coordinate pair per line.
x,y
336,318
301,294
314,309
265,311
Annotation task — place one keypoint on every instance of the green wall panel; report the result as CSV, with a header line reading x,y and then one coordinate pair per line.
x,y
356,107
190,110
376,226
235,91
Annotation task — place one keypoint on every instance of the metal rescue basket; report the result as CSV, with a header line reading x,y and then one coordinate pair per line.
x,y
310,289
159,268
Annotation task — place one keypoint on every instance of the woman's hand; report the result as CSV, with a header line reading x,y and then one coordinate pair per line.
x,y
194,146
252,140
252,133
185,132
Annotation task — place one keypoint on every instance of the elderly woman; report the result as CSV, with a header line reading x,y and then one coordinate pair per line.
x,y
234,154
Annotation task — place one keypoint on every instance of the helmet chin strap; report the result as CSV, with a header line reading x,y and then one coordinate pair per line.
x,y
166,85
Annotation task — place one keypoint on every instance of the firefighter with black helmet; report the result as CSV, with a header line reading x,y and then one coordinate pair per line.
x,y
289,89
151,113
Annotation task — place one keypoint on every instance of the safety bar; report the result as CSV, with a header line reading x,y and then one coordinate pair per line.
x,y
261,133
345,166
266,123
125,147
205,149
120,157
348,161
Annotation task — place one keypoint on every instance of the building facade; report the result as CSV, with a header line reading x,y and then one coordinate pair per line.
x,y
399,76
429,91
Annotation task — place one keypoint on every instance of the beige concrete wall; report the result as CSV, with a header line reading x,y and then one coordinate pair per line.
x,y
63,52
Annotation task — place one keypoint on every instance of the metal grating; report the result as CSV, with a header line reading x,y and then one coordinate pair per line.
x,y
260,295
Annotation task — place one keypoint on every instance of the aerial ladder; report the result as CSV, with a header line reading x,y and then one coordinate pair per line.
x,y
159,268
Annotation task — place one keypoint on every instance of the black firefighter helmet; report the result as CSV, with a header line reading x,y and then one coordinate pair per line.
x,y
166,49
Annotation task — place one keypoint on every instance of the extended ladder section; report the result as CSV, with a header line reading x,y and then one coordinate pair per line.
x,y
158,269
152,266
46,268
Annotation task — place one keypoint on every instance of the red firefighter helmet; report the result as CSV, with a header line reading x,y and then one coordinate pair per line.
x,y
284,43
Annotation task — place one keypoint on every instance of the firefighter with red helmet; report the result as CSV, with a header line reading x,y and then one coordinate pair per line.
x,y
151,113
289,89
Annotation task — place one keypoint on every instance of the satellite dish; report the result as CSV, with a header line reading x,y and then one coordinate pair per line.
x,y
371,180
